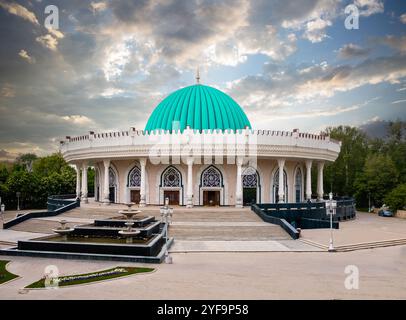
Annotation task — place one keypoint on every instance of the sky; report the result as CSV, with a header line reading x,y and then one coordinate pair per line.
x,y
106,65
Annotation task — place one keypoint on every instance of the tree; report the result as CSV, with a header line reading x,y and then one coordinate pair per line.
x,y
26,160
49,164
396,199
396,146
340,175
377,178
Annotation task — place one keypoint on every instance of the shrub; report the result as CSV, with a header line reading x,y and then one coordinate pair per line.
x,y
396,199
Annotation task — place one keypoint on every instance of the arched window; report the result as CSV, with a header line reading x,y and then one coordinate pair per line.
x,y
298,185
171,178
112,186
276,185
134,177
249,178
211,177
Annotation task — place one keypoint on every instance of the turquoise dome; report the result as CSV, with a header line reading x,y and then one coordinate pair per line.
x,y
200,107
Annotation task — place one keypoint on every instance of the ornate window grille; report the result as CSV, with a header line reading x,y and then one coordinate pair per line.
x,y
171,178
298,185
134,179
250,178
211,177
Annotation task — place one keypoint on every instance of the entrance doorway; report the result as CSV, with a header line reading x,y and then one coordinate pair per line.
x,y
211,198
173,197
135,196
249,196
112,194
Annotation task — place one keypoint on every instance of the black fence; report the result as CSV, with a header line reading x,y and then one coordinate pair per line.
x,y
304,215
55,206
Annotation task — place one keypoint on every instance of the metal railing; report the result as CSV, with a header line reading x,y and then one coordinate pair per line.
x,y
55,205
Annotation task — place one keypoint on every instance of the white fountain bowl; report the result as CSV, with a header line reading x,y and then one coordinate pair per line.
x,y
63,231
126,233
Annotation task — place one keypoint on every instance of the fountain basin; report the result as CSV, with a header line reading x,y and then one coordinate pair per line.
x,y
48,244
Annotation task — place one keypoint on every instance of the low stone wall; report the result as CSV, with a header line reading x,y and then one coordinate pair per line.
x,y
401,214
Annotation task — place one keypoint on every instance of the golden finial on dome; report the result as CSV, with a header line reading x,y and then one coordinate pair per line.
x,y
197,76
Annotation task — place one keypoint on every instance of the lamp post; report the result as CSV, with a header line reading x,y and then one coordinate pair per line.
x,y
166,216
18,194
331,210
2,208
369,201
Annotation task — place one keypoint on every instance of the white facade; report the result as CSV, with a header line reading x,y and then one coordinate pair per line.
x,y
200,168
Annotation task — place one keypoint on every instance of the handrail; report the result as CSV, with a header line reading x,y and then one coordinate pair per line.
x,y
55,205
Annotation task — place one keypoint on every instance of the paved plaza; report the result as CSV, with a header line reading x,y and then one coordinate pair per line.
x,y
224,253
266,275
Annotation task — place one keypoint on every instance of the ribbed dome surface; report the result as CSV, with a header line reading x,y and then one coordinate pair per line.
x,y
200,107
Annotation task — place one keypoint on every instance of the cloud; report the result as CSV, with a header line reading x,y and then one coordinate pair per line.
x,y
7,91
24,54
351,50
7,156
369,7
78,120
316,30
51,39
402,18
283,87
19,10
397,43
98,6
399,101
375,128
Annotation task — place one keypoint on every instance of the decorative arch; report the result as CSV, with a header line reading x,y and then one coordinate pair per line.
x,y
298,184
251,181
113,184
211,177
97,188
211,180
134,177
171,177
275,185
171,184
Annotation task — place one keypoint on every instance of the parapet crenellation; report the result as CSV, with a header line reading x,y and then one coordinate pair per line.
x,y
133,132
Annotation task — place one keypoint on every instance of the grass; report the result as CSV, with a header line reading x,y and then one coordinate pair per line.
x,y
91,277
4,274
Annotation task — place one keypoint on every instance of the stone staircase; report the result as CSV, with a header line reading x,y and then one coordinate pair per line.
x,y
222,224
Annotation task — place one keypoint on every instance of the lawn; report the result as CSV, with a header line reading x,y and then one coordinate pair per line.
x,y
4,274
107,274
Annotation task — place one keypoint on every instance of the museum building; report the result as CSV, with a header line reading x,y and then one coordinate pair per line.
x,y
198,148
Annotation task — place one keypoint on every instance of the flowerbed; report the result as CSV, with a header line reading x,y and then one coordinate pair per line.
x,y
4,274
70,280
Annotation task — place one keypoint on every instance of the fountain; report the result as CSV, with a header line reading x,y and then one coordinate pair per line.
x,y
63,230
129,213
129,232
141,239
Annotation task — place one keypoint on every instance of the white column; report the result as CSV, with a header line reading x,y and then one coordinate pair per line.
x,y
143,163
281,189
320,191
189,194
308,179
78,191
106,189
84,182
238,188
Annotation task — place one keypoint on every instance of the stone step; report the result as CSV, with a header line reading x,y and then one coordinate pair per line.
x,y
222,233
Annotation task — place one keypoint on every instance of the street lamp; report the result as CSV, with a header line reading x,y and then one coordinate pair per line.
x,y
369,201
166,215
18,194
2,208
331,210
